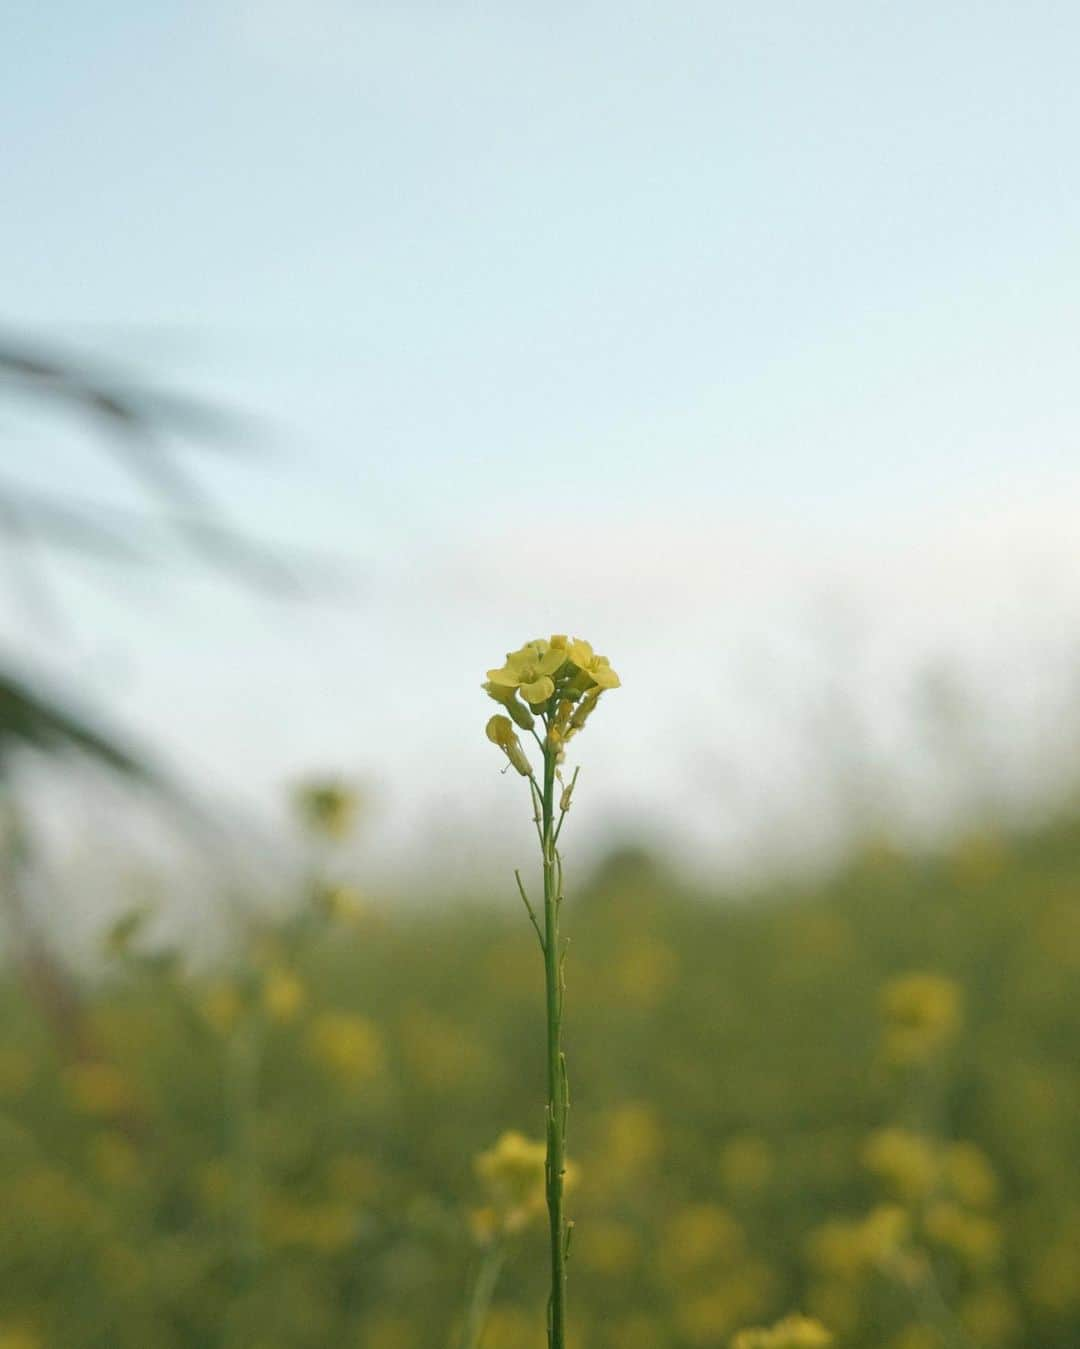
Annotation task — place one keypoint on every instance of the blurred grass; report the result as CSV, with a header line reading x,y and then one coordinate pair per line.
x,y
277,1153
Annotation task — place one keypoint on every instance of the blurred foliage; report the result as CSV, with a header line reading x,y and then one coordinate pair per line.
x,y
858,1100
149,433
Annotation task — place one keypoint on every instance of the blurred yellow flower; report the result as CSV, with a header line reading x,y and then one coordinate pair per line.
x,y
793,1332
921,1014
972,1237
348,1046
844,1248
513,1172
283,995
327,807
904,1162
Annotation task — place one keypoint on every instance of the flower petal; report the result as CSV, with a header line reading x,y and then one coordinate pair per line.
x,y
550,661
539,691
604,675
500,692
581,653
500,731
507,677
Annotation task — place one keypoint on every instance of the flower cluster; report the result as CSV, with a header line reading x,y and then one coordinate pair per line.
x,y
558,680
513,1176
793,1332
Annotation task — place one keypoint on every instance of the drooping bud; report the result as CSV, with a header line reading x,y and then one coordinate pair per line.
x,y
508,698
584,708
500,732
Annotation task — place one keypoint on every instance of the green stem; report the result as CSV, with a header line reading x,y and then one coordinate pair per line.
x,y
557,1102
483,1291
242,1104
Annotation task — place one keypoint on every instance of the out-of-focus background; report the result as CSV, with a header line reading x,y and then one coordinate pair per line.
x,y
346,346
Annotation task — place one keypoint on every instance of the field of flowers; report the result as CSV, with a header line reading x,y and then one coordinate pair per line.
x,y
858,1100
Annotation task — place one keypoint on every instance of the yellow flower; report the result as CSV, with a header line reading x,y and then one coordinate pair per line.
x,y
501,732
530,669
597,668
793,1332
562,679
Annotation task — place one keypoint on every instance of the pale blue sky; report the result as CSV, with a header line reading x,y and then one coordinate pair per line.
x,y
496,273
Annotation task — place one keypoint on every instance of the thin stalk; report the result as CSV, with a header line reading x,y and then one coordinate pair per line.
x,y
557,1102
242,1089
483,1290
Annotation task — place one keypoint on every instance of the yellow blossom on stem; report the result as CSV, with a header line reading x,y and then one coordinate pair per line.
x,y
597,668
530,670
561,680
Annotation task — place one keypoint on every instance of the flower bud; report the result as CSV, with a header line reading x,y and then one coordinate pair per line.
x,y
500,732
508,698
584,708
